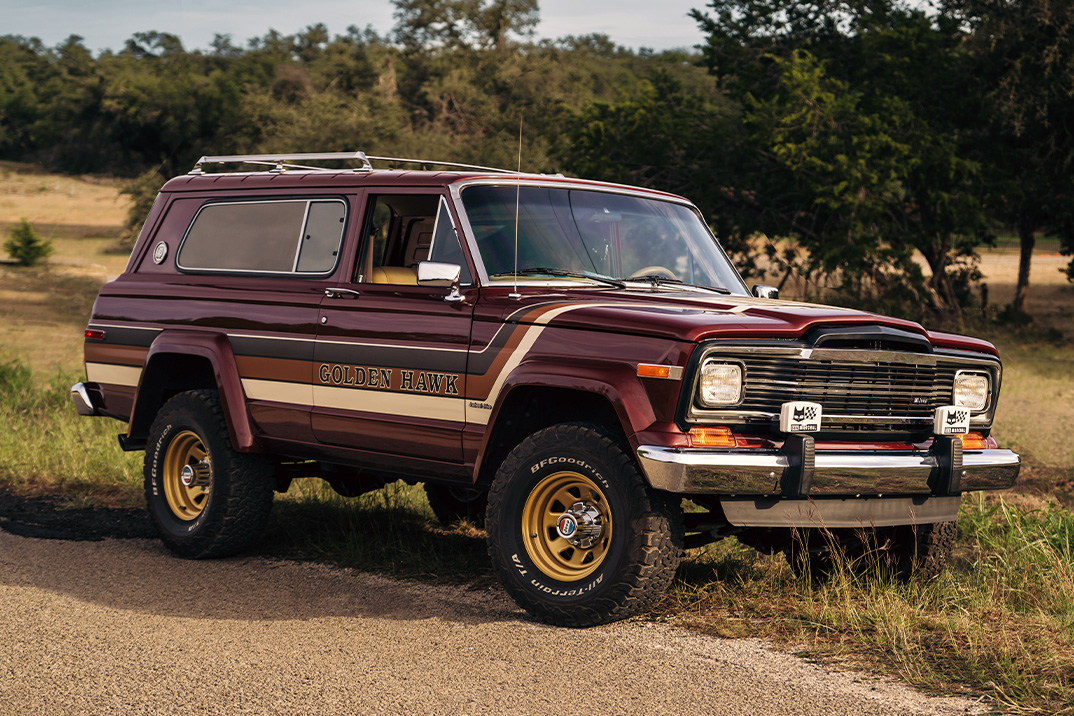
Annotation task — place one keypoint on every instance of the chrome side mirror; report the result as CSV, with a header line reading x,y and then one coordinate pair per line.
x,y
434,273
762,291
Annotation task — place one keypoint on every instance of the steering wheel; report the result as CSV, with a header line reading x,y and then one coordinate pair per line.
x,y
657,270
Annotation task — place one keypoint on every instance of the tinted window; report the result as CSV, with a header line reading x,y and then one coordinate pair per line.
x,y
320,240
266,236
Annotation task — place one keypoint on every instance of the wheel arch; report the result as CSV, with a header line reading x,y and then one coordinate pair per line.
x,y
180,361
535,398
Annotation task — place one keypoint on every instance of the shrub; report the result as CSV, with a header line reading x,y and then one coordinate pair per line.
x,y
26,246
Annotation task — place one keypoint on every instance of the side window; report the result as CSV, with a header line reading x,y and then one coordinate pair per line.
x,y
298,236
446,245
320,241
402,231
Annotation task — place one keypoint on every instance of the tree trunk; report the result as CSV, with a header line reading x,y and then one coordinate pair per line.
x,y
946,303
1026,238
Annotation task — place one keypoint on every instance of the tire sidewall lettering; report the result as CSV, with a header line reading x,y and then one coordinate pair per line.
x,y
163,513
527,573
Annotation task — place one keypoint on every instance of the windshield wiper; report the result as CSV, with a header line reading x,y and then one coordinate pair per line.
x,y
659,279
545,271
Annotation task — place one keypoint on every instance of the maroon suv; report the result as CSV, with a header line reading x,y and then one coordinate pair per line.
x,y
561,360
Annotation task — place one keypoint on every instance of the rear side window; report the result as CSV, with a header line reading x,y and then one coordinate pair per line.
x,y
295,236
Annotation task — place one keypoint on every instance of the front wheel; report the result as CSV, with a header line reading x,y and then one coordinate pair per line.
x,y
205,498
576,535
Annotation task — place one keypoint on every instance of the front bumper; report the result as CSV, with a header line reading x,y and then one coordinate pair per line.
x,y
833,472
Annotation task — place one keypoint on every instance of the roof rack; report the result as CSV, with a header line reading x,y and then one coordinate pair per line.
x,y
282,162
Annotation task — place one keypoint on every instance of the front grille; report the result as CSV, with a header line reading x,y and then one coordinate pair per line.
x,y
877,389
862,390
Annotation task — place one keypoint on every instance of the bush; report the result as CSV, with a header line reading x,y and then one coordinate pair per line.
x,y
26,246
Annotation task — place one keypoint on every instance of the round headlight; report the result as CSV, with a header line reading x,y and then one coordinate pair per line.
x,y
721,384
972,389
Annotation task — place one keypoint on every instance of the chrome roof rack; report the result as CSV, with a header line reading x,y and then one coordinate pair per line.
x,y
280,163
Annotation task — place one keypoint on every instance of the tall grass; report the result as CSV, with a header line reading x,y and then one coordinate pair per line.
x,y
46,447
1000,620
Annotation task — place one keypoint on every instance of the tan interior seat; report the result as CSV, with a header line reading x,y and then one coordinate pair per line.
x,y
399,275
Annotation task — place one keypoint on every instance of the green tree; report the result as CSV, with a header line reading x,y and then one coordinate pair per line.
x,y
1024,53
26,246
856,117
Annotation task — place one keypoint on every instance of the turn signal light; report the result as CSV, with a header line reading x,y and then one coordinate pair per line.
x,y
94,334
646,370
974,441
712,437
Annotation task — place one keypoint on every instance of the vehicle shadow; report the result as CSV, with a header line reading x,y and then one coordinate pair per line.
x,y
60,551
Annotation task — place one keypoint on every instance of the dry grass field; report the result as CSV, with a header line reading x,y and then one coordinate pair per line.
x,y
1000,622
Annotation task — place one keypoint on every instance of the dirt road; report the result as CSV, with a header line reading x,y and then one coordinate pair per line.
x,y
120,627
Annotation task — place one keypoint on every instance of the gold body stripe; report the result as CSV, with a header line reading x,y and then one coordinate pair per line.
x,y
278,391
112,374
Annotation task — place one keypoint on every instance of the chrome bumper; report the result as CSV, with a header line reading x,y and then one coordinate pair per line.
x,y
847,473
82,399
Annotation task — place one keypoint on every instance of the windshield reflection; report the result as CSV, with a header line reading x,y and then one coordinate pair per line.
x,y
575,231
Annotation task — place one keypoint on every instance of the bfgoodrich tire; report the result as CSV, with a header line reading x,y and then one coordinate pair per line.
x,y
575,534
205,498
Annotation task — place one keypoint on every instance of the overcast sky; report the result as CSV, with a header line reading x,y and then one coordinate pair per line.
x,y
106,24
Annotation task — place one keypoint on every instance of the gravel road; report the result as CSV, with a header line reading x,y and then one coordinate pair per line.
x,y
121,627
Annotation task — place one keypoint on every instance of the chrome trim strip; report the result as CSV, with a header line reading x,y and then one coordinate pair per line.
x,y
850,472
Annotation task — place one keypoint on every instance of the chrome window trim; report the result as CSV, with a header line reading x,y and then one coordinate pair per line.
x,y
298,247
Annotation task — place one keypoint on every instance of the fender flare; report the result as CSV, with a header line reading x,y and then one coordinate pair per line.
x,y
618,384
214,347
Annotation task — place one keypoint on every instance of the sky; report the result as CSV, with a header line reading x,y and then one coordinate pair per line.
x,y
106,24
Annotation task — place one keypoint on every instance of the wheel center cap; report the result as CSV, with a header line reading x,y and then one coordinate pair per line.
x,y
581,525
187,476
567,526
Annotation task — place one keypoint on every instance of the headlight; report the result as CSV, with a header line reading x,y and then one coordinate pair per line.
x,y
721,384
972,389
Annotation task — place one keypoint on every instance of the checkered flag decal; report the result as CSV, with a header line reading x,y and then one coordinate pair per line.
x,y
806,413
956,417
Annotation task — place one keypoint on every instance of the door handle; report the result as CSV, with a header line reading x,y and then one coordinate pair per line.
x,y
341,293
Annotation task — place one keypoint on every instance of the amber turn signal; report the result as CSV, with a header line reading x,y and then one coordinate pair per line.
x,y
711,437
974,441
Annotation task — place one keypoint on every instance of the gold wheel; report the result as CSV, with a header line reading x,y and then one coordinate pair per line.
x,y
187,476
567,526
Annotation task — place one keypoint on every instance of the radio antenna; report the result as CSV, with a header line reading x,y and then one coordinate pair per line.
x,y
518,191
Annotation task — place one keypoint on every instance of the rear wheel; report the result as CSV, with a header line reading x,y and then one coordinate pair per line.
x,y
205,498
575,534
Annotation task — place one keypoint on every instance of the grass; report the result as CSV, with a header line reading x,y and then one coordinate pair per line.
x,y
999,622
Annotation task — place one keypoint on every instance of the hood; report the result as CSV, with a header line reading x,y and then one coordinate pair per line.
x,y
696,316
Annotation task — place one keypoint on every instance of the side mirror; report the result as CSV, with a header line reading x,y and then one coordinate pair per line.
x,y
433,273
762,291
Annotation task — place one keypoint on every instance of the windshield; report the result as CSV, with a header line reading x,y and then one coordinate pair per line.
x,y
575,231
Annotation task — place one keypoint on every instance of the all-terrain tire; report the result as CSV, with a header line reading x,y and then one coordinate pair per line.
x,y
205,498
451,503
630,560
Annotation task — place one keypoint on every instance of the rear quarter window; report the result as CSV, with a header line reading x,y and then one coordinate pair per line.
x,y
293,236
